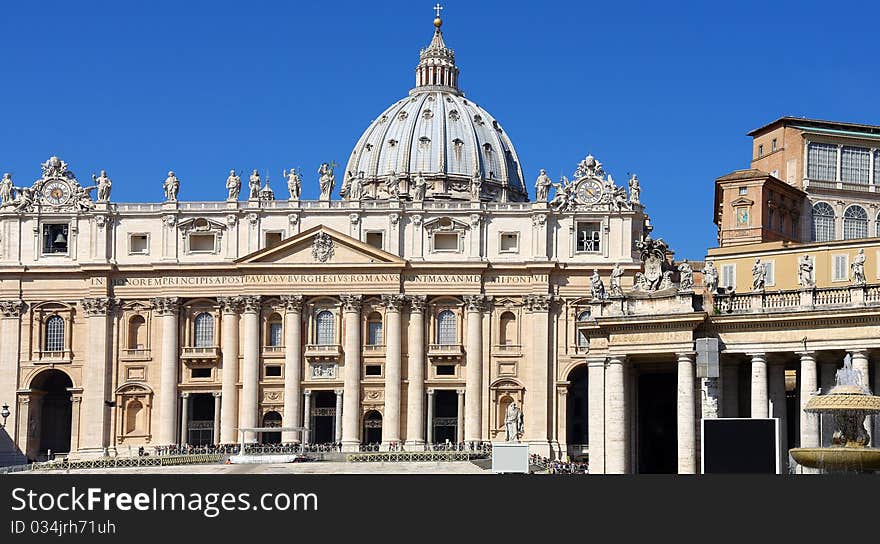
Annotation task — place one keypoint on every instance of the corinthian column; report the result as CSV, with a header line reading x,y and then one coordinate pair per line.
x,y
615,417
687,443
536,401
391,421
167,310
250,379
474,368
95,434
415,356
229,307
351,405
760,406
10,331
292,365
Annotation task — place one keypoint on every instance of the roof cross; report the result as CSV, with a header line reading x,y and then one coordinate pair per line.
x,y
438,8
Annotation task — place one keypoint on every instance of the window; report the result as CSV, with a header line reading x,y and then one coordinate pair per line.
x,y
769,269
822,161
877,230
771,214
137,332
855,165
374,329
743,191
273,238
55,238
588,237
509,242
273,371
446,333
728,276
138,244
201,243
773,144
326,327
375,239
373,370
855,223
202,373
445,241
446,370
204,329
507,334
760,150
877,167
276,331
55,333
841,268
582,339
823,222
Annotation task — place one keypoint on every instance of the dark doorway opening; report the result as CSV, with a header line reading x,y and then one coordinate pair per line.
x,y
200,428
272,419
576,409
372,428
445,416
323,417
55,409
657,429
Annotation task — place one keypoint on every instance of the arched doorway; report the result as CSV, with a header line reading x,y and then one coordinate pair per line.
x,y
50,417
323,424
576,415
372,428
272,419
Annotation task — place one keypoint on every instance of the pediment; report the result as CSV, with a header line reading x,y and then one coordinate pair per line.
x,y
321,246
742,201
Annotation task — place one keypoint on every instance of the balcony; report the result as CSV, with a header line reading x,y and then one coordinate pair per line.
x,y
192,354
507,350
273,351
55,356
444,352
854,296
323,352
135,354
374,349
839,186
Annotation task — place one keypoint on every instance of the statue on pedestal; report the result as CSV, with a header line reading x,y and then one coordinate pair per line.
x,y
542,186
476,186
616,274
326,180
634,189
294,184
392,185
233,185
805,272
564,197
7,190
355,187
686,276
513,423
858,268
171,186
103,185
710,277
254,186
759,275
419,187
597,288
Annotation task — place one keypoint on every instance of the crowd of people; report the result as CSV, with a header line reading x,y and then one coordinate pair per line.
x,y
263,448
555,466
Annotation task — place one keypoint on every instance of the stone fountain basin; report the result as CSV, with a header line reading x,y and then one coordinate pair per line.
x,y
838,459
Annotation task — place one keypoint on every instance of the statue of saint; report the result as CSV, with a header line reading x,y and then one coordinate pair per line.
x,y
25,199
564,197
103,185
233,185
7,190
171,187
419,187
710,277
759,275
355,187
346,184
476,186
858,268
327,180
805,272
616,274
294,184
634,189
513,423
392,185
254,186
542,186
685,276
597,288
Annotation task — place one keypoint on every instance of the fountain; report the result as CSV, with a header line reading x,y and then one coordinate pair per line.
x,y
849,402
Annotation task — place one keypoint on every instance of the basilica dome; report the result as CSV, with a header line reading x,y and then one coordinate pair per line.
x,y
436,134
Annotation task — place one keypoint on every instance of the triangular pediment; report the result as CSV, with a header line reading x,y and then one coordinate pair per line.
x,y
321,246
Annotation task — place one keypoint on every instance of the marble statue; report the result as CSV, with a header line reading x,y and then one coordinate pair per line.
x,y
513,423
759,275
254,186
419,187
858,268
616,274
564,197
82,198
666,280
171,187
476,186
597,288
327,180
542,186
24,199
233,185
710,277
346,184
392,185
634,189
103,185
640,282
686,276
7,190
355,187
805,272
618,198
294,184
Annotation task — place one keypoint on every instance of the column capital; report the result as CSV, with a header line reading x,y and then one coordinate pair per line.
x,y
251,304
537,303
689,355
292,303
476,303
757,355
859,352
339,392
417,303
596,361
394,302
97,306
217,394
806,354
12,308
229,305
430,391
616,359
351,303
165,305
460,392
184,395
307,392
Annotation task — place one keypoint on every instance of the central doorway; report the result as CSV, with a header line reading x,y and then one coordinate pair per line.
x,y
372,428
657,427
200,428
445,422
272,419
576,417
323,423
52,421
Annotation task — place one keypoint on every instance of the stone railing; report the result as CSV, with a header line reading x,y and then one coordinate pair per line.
x,y
797,300
200,353
124,462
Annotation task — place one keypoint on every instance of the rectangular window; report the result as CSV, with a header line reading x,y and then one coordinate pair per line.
x,y
588,238
273,238
374,333
373,370
201,373
138,244
761,150
773,144
877,168
728,276
855,165
822,161
275,334
509,242
446,370
770,269
445,241
375,239
273,371
743,191
771,214
201,243
841,268
55,238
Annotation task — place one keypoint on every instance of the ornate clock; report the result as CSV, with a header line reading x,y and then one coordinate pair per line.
x,y
56,192
589,191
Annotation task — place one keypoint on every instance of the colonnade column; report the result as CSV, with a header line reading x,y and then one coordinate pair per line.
x,y
167,310
760,407
215,436
184,418
415,356
459,431
687,440
307,417
616,461
596,413
862,365
229,341
292,365
809,385
776,377
337,421
351,309
250,378
474,368
391,420
10,331
536,404
430,438
95,435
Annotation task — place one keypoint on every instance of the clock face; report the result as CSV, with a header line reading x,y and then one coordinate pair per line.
x,y
589,191
56,192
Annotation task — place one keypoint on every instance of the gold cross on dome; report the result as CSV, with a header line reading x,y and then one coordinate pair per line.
x,y
438,8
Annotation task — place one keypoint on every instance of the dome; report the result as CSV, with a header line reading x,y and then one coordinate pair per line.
x,y
438,134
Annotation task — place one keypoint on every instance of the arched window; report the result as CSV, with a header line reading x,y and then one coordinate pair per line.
x,y
823,222
507,334
133,416
374,329
276,331
204,328
855,223
55,333
446,328
582,339
137,332
326,328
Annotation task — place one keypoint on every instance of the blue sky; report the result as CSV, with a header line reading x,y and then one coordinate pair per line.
x,y
664,89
